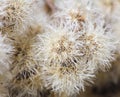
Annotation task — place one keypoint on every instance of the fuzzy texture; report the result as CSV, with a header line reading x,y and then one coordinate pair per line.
x,y
111,14
5,53
99,44
70,56
92,25
26,75
58,45
15,15
97,34
77,14
61,59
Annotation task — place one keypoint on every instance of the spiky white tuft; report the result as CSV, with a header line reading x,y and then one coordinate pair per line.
x,y
15,15
58,51
99,44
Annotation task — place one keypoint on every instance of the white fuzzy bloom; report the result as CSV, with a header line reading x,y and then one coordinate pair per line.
x,y
76,44
96,37
5,53
58,51
15,15
75,13
99,44
111,11
70,57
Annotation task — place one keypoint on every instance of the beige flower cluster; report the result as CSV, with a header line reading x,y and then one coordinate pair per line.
x,y
55,46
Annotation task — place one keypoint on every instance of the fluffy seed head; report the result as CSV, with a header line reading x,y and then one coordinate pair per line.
x,y
99,44
69,57
24,69
78,13
15,15
58,51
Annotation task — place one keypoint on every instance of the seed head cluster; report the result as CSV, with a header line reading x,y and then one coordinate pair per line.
x,y
55,46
